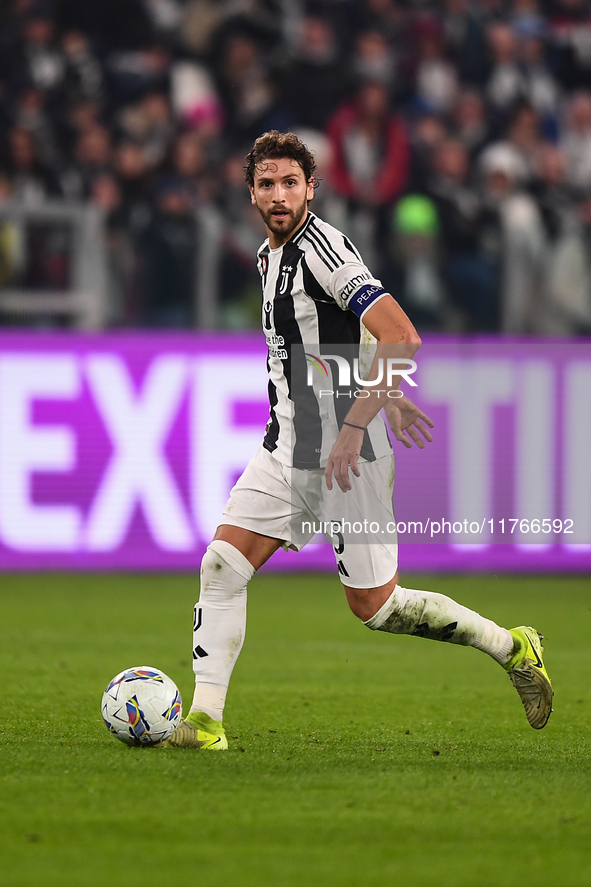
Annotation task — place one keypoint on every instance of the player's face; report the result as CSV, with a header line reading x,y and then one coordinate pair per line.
x,y
281,194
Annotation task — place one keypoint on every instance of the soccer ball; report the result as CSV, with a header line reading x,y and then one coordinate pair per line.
x,y
141,706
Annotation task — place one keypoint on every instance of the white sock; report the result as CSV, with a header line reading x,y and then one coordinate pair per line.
x,y
435,616
219,625
496,641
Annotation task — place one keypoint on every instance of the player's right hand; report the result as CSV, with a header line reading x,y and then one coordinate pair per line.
x,y
344,454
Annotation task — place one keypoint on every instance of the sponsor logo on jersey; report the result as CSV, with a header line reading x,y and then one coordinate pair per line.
x,y
353,284
273,343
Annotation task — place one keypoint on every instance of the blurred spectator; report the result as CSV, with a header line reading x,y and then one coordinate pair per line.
x,y
243,234
386,17
136,181
194,99
584,325
328,204
11,239
166,18
93,156
540,89
576,139
370,162
374,59
470,240
555,196
524,135
315,79
167,259
505,82
79,116
460,31
465,27
189,162
567,275
83,80
569,24
526,18
30,113
132,73
468,119
435,77
201,19
519,71
523,239
5,189
75,120
107,195
111,24
149,124
34,56
427,132
247,91
416,280
31,181
122,269
206,22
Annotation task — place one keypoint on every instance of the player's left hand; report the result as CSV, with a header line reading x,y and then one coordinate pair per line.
x,y
404,416
345,453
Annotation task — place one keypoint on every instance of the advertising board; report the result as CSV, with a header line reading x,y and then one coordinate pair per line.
x,y
117,452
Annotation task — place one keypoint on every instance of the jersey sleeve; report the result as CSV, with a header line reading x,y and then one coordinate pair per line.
x,y
341,272
353,287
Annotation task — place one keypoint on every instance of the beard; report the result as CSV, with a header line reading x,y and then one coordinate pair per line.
x,y
284,228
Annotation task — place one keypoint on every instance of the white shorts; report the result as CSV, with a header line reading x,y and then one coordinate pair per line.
x,y
294,504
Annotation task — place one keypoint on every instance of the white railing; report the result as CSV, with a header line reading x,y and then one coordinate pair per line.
x,y
88,301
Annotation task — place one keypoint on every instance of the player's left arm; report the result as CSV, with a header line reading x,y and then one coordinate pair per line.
x,y
392,327
396,338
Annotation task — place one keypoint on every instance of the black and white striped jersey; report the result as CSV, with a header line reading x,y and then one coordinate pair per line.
x,y
316,290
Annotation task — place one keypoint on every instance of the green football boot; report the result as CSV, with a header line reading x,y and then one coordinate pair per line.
x,y
198,731
529,676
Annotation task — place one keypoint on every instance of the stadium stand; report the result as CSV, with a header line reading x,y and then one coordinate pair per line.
x,y
479,112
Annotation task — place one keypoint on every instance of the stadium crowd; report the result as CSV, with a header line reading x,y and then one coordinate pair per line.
x,y
453,141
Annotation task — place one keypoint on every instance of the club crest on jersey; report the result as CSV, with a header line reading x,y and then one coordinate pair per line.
x,y
285,272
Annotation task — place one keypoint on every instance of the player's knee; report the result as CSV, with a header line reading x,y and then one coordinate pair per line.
x,y
224,571
365,603
212,565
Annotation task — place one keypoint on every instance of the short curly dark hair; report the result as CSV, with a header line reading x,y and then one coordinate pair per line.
x,y
277,145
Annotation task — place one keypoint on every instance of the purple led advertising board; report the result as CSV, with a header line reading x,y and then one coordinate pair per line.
x,y
118,451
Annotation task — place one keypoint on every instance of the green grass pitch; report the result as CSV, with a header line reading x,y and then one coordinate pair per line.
x,y
357,759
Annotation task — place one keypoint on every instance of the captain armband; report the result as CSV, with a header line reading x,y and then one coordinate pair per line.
x,y
365,297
